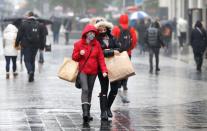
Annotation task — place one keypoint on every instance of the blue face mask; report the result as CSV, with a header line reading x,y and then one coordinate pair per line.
x,y
90,36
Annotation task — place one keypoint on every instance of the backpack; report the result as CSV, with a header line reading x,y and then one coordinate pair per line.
x,y
152,36
33,35
125,39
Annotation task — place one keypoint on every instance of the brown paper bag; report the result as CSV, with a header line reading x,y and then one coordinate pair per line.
x,y
119,67
69,70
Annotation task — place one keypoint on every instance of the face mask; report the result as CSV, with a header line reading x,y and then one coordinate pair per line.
x,y
90,36
102,34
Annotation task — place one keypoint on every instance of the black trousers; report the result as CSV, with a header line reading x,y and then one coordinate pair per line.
x,y
105,85
198,57
154,51
29,58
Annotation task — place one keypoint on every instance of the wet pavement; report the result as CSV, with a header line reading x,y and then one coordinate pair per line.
x,y
173,100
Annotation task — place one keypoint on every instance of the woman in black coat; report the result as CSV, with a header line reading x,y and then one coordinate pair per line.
x,y
110,48
199,43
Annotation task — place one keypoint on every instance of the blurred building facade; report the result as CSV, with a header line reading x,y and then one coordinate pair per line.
x,y
191,10
5,8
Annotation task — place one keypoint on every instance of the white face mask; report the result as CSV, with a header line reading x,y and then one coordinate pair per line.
x,y
90,36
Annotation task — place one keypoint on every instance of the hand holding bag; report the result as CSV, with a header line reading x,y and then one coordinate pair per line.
x,y
78,81
69,70
119,67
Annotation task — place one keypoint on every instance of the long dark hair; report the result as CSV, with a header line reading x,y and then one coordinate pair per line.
x,y
199,24
17,23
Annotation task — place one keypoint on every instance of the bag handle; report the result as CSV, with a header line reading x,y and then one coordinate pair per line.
x,y
86,59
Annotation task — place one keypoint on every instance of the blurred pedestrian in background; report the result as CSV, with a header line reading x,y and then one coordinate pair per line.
x,y
87,51
110,48
29,37
56,28
199,43
43,38
127,38
10,52
154,42
166,33
43,28
182,31
68,28
141,29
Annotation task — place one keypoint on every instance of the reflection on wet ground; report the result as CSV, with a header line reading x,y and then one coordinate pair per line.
x,y
184,117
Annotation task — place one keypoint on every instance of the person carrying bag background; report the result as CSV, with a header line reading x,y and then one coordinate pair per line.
x,y
88,74
127,38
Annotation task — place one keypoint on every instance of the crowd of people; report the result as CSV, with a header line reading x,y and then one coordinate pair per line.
x,y
112,41
100,39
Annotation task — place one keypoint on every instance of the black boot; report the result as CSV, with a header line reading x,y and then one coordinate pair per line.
x,y
103,106
85,108
90,117
31,77
111,98
124,84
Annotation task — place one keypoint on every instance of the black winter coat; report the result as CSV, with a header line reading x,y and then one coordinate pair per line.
x,y
22,35
43,37
198,40
113,45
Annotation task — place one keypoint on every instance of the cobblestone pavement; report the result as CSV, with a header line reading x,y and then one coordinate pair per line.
x,y
173,100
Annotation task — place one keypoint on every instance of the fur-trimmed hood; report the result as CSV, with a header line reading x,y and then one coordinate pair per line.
x,y
100,21
104,23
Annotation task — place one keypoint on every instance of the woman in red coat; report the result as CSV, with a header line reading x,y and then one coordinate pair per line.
x,y
87,51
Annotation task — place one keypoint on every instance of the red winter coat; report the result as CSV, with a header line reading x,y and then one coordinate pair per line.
x,y
124,23
96,58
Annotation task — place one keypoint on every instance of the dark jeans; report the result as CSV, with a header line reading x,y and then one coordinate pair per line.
x,y
29,58
87,83
14,61
67,37
56,37
41,56
104,81
154,51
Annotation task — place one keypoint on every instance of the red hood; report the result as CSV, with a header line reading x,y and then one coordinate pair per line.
x,y
124,20
88,28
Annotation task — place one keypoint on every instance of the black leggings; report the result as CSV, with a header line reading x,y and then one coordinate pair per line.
x,y
105,85
14,59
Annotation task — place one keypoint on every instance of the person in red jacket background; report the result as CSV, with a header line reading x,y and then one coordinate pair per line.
x,y
87,51
116,32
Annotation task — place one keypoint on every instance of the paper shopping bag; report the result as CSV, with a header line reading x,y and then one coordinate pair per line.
x,y
69,70
119,67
